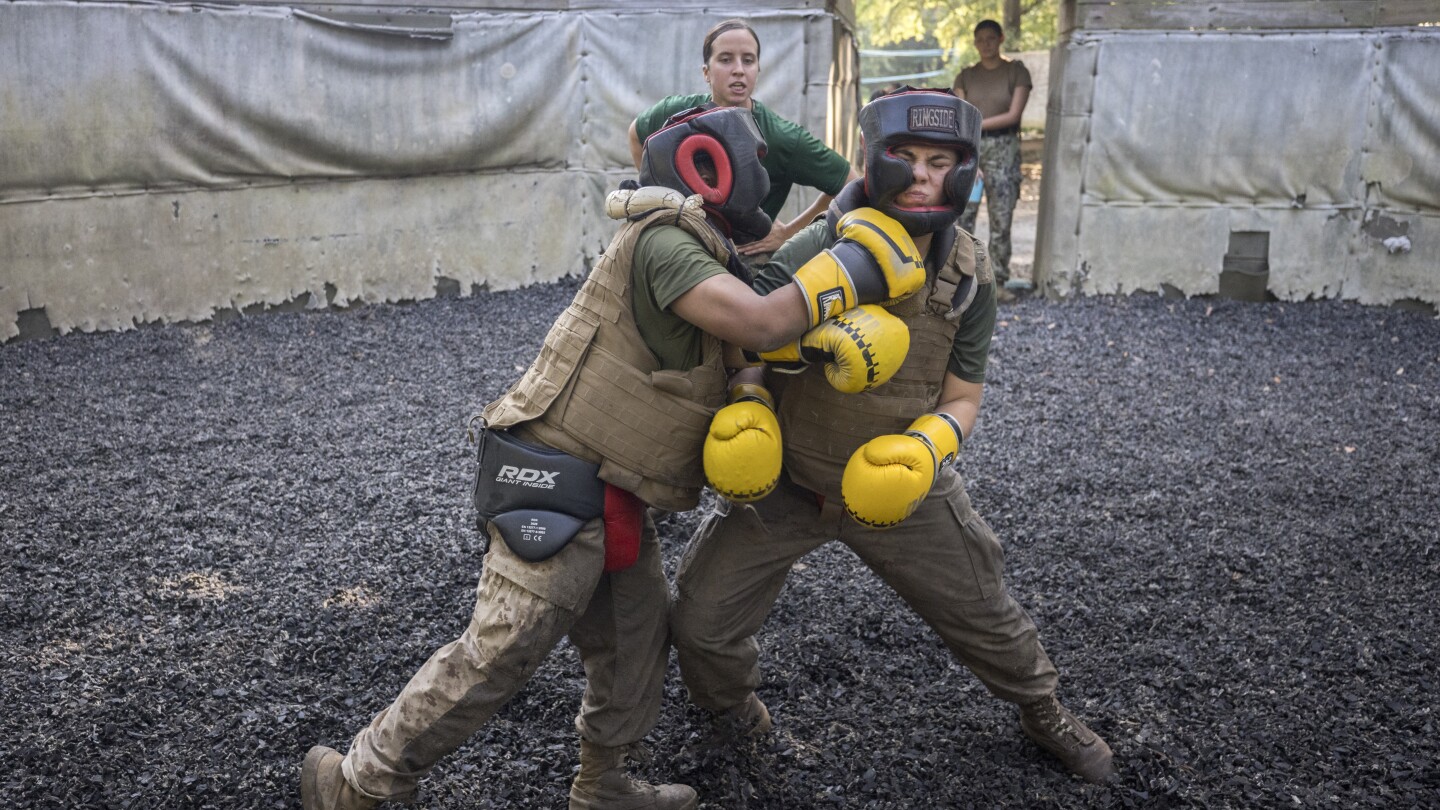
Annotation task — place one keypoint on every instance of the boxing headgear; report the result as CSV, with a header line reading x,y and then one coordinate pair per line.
x,y
729,137
930,117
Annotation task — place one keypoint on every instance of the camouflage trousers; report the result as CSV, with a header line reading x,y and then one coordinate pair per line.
x,y
1000,166
945,562
616,621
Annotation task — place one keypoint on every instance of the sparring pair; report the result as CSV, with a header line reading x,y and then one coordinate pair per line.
x,y
874,469
610,417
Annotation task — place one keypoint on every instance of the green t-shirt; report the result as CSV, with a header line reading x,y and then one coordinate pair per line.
x,y
992,90
668,262
971,349
792,155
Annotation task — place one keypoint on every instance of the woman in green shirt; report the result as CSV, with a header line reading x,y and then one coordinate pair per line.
x,y
731,68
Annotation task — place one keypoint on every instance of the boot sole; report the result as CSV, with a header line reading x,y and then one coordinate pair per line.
x,y
1096,767
583,803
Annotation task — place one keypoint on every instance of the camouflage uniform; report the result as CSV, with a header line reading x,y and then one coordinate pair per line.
x,y
1000,166
594,393
616,621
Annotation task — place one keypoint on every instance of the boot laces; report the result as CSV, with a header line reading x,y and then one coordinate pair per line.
x,y
1053,718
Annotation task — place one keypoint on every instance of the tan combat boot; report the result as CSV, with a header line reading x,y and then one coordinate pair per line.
x,y
1055,729
603,784
323,785
747,719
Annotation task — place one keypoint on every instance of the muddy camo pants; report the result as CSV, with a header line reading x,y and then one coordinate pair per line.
x,y
1000,165
944,561
616,621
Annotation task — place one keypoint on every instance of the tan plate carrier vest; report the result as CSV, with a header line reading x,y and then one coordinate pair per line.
x,y
597,392
821,427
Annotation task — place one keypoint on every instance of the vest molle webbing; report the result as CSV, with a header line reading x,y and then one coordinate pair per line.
x,y
596,392
822,427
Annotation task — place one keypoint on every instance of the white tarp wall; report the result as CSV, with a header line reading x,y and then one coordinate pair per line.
x,y
1038,63
1160,144
165,162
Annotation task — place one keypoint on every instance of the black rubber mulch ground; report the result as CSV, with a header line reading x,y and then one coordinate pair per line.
x,y
223,544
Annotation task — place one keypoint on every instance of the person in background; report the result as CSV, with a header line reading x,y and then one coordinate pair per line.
x,y
731,68
999,88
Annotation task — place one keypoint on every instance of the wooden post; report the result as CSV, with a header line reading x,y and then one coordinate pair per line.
x,y
1065,21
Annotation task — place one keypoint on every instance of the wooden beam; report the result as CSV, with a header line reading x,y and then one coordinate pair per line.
x,y
844,8
1245,14
1408,12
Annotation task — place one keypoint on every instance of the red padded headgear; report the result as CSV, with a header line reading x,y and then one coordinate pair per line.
x,y
729,138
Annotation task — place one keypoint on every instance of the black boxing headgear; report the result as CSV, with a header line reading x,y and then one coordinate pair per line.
x,y
929,117
729,138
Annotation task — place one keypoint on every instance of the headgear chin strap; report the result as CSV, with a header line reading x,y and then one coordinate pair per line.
x,y
929,117
729,139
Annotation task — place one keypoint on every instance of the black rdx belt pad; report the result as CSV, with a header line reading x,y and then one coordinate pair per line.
x,y
514,475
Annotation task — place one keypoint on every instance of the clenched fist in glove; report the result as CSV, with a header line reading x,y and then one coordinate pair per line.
x,y
861,348
888,477
873,261
742,451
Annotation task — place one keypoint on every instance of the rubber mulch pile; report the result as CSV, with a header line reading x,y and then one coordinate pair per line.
x,y
225,543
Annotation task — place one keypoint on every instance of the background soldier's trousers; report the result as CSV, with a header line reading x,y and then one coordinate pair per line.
x,y
1000,164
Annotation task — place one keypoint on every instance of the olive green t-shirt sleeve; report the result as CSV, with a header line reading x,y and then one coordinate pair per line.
x,y
799,249
668,263
970,352
1022,75
654,116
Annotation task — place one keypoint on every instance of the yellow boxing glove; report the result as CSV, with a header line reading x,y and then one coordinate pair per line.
x,y
873,261
861,348
887,478
742,451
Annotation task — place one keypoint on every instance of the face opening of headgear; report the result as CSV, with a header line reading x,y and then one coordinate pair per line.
x,y
927,117
714,152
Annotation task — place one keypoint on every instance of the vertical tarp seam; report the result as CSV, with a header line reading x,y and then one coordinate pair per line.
x,y
1372,116
1079,268
587,204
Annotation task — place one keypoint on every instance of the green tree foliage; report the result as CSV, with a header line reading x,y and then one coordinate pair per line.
x,y
944,24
